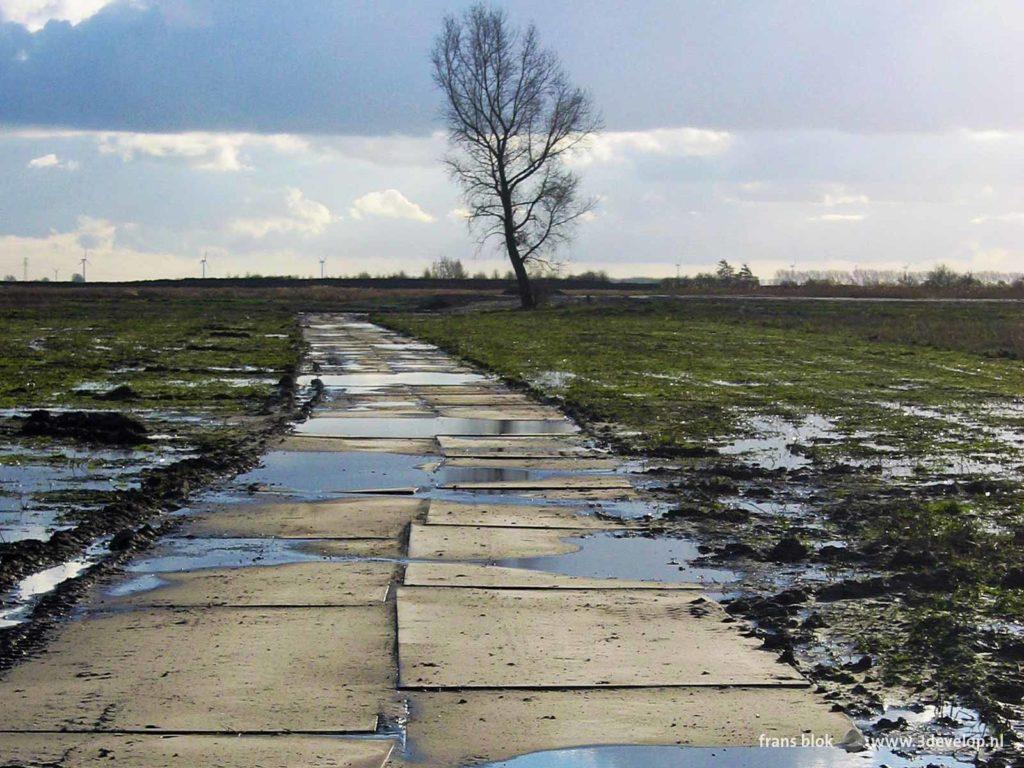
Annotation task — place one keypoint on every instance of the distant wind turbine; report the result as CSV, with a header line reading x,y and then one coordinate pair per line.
x,y
203,262
322,260
83,261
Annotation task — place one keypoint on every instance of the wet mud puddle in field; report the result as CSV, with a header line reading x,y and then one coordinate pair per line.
x,y
47,488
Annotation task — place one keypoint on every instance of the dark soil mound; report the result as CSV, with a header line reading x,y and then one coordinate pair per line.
x,y
118,393
104,427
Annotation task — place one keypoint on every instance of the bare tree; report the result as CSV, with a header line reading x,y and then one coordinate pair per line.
x,y
512,118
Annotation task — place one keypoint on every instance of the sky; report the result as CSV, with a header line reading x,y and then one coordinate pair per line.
x,y
273,134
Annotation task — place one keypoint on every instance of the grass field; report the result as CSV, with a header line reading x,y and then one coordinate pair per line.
x,y
685,374
218,355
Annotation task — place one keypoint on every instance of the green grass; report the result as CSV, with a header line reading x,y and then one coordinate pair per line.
x,y
168,351
687,373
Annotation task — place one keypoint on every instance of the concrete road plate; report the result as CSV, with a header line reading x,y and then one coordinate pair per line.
x,y
502,412
582,482
513,516
497,577
208,670
410,446
450,728
550,638
295,584
74,750
375,517
463,542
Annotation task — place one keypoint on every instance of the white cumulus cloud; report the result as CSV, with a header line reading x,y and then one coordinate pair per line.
x,y
303,217
388,204
33,14
52,161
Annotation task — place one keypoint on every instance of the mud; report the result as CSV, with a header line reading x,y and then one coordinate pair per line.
x,y
101,427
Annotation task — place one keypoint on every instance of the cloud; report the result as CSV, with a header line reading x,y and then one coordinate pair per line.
x,y
33,14
46,161
52,161
842,198
838,217
619,146
388,204
396,150
1015,218
63,251
304,217
206,151
988,136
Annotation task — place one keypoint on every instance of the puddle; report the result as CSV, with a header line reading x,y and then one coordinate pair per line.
x,y
630,509
456,475
174,555
611,556
325,473
28,524
41,490
431,427
34,586
552,379
770,449
365,381
635,756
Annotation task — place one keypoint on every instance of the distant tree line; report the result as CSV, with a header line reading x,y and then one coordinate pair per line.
x,y
941,276
724,276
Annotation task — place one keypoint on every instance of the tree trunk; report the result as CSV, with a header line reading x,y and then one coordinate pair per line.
x,y
526,297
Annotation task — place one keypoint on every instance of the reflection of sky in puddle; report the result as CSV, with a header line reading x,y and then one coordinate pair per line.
x,y
321,473
605,555
774,433
35,585
17,525
196,553
454,475
621,509
634,756
24,515
430,427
